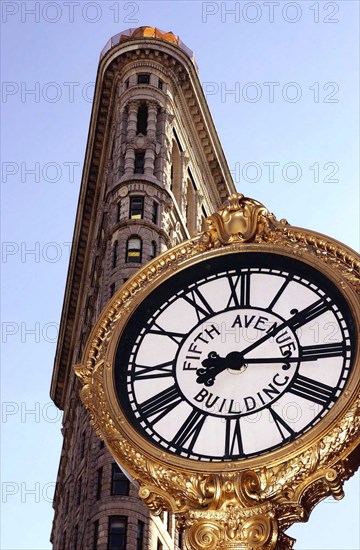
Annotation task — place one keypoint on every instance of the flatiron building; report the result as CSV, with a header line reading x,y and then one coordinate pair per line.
x,y
153,168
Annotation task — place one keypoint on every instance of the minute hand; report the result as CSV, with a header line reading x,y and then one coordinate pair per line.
x,y
299,319
285,359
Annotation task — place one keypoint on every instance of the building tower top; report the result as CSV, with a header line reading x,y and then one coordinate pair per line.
x,y
146,33
150,127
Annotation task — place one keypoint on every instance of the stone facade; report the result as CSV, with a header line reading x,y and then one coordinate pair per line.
x,y
153,169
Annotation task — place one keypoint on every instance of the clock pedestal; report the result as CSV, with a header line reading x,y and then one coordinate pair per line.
x,y
243,512
228,488
235,529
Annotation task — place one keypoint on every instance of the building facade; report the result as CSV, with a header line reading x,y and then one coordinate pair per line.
x,y
154,167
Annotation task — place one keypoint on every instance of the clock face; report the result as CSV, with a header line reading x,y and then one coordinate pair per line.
x,y
234,356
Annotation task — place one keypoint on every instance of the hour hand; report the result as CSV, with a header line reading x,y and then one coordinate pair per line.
x,y
214,364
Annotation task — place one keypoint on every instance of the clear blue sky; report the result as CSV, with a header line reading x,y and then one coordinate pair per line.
x,y
282,86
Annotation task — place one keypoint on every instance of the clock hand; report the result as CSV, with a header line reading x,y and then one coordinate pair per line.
x,y
299,318
214,364
207,375
235,361
285,359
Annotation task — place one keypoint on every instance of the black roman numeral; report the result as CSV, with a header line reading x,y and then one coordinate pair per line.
x,y
160,404
285,431
239,290
280,291
309,313
177,337
190,430
201,306
322,351
310,389
143,372
233,440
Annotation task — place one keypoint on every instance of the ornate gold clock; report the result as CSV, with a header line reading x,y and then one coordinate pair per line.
x,y
224,377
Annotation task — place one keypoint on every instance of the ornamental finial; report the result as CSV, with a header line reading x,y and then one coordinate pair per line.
x,y
240,219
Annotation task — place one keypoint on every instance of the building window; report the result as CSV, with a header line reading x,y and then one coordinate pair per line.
x,y
143,78
95,535
115,254
139,163
101,444
153,250
82,446
119,482
79,489
75,538
140,535
118,211
112,289
117,533
133,250
160,84
136,208
154,213
142,117
127,83
99,483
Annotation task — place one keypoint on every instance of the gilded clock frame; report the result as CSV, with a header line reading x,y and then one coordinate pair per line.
x,y
250,502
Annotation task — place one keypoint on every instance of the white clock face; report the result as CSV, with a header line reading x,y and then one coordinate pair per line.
x,y
234,357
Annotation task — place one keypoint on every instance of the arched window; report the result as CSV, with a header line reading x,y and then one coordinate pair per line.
x,y
153,250
142,117
133,250
115,253
118,211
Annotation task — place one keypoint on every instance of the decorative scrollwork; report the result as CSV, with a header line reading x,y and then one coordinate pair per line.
x,y
259,532
233,528
248,487
238,220
154,500
204,534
